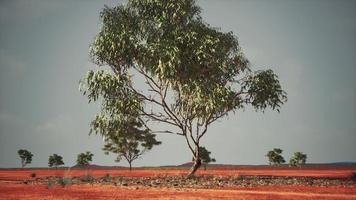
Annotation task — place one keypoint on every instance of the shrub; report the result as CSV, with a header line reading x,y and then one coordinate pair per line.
x,y
353,176
107,178
64,181
50,183
33,175
88,178
241,177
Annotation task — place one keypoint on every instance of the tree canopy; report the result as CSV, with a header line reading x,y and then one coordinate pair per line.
x,y
26,157
195,74
55,160
298,159
205,156
84,159
130,143
274,157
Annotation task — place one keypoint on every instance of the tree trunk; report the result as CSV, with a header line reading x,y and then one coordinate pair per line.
x,y
130,166
195,167
197,162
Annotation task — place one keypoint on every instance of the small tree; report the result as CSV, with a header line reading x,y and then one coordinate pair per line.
x,y
298,159
55,160
84,159
26,157
129,143
275,157
205,156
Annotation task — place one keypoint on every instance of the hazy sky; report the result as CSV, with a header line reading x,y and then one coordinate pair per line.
x,y
311,45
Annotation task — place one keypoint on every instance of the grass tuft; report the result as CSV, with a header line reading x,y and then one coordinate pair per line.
x,y
64,181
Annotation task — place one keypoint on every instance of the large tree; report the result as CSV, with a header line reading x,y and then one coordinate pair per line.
x,y
130,143
194,74
26,157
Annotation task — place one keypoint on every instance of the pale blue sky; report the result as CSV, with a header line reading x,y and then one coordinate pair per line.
x,y
311,45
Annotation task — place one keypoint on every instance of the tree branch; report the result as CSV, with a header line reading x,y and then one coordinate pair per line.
x,y
170,132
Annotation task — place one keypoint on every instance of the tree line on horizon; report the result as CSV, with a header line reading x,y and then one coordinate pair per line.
x,y
275,158
55,160
83,159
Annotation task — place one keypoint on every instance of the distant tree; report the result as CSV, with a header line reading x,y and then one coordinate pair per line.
x,y
205,156
129,143
194,74
84,159
298,159
274,157
26,157
55,160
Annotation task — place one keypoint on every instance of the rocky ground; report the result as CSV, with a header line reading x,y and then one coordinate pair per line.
x,y
201,182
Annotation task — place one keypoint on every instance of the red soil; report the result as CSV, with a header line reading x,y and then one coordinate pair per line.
x,y
105,192
13,175
11,190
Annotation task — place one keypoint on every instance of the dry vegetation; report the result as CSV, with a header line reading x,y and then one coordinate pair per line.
x,y
171,184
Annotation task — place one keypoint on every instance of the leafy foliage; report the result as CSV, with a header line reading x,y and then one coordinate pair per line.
x,y
55,160
274,157
84,159
50,183
87,178
298,159
26,157
195,74
63,181
205,156
130,143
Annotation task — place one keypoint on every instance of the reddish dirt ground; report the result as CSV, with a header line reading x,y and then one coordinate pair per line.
x,y
11,189
12,175
33,192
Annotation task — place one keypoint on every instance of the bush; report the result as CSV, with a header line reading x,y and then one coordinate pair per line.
x,y
353,176
87,178
241,177
64,181
33,175
107,178
50,183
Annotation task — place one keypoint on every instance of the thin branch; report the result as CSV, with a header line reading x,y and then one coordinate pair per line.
x,y
148,78
163,94
170,132
156,117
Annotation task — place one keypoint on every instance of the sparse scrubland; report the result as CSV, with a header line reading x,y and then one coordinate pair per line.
x,y
157,183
